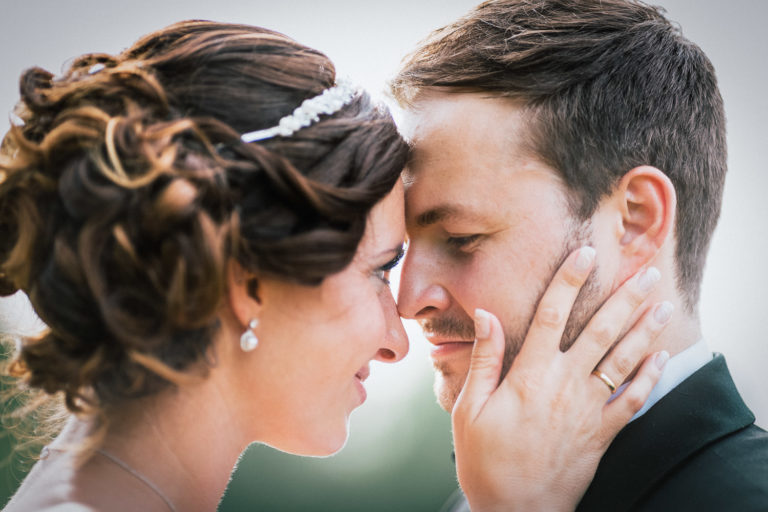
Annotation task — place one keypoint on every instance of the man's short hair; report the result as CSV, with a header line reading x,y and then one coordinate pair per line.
x,y
606,85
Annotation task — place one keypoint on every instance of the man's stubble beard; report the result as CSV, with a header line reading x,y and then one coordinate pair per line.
x,y
448,382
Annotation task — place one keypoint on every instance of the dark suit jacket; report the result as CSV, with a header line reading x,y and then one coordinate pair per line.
x,y
697,449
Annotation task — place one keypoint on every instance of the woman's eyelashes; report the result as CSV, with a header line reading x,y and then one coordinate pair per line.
x,y
463,243
383,271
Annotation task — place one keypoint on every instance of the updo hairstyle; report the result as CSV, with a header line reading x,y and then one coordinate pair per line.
x,y
127,190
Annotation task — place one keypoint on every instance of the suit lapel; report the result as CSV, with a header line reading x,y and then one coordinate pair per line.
x,y
702,409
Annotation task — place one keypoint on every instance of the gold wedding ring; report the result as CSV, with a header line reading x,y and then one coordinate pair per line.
x,y
606,379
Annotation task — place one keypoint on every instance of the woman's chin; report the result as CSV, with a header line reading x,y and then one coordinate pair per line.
x,y
323,444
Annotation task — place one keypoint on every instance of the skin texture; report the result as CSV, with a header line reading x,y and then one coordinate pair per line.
x,y
489,224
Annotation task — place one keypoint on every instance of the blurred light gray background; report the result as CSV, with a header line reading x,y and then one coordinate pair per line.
x,y
399,453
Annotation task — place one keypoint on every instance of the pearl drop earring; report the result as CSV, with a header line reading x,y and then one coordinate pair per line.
x,y
249,341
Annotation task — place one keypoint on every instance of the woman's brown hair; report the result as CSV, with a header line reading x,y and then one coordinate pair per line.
x,y
127,190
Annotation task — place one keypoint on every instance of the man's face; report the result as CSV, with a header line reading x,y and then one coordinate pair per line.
x,y
488,226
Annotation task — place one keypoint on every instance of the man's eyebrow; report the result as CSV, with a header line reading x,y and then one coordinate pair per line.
x,y
444,212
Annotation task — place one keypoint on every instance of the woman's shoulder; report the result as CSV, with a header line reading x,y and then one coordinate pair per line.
x,y
38,504
60,507
24,503
49,487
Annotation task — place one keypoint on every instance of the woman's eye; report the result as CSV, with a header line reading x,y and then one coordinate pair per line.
x,y
383,275
462,242
383,271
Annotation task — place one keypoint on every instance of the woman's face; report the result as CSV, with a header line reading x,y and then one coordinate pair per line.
x,y
316,343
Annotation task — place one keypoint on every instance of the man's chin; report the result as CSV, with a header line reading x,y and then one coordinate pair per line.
x,y
447,388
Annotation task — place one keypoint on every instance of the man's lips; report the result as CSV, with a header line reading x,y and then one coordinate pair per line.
x,y
444,347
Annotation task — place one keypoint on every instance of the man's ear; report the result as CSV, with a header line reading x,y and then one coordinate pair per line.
x,y
647,203
242,293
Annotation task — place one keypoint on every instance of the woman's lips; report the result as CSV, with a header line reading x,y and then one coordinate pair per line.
x,y
360,376
360,390
363,373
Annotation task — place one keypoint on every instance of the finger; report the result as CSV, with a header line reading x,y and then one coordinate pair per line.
x,y
484,366
618,412
607,324
630,351
548,324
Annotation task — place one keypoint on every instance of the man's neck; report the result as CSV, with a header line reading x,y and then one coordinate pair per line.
x,y
683,331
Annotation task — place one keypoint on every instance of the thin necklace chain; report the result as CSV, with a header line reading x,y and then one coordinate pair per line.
x,y
138,475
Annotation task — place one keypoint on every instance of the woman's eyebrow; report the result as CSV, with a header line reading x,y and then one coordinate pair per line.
x,y
394,250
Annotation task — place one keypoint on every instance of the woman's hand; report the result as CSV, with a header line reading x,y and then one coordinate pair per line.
x,y
533,441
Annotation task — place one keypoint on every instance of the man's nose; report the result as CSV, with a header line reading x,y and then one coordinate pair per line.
x,y
421,293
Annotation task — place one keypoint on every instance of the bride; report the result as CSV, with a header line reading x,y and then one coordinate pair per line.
x,y
206,223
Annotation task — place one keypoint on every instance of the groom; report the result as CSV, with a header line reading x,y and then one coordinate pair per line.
x,y
539,126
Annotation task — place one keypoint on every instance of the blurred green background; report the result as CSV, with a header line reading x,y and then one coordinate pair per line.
x,y
408,467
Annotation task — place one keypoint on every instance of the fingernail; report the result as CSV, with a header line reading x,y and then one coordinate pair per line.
x,y
648,278
661,359
585,258
482,324
663,312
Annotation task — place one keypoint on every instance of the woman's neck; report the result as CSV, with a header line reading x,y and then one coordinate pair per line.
x,y
183,442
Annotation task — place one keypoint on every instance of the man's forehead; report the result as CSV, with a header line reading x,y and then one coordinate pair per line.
x,y
474,111
479,195
467,131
